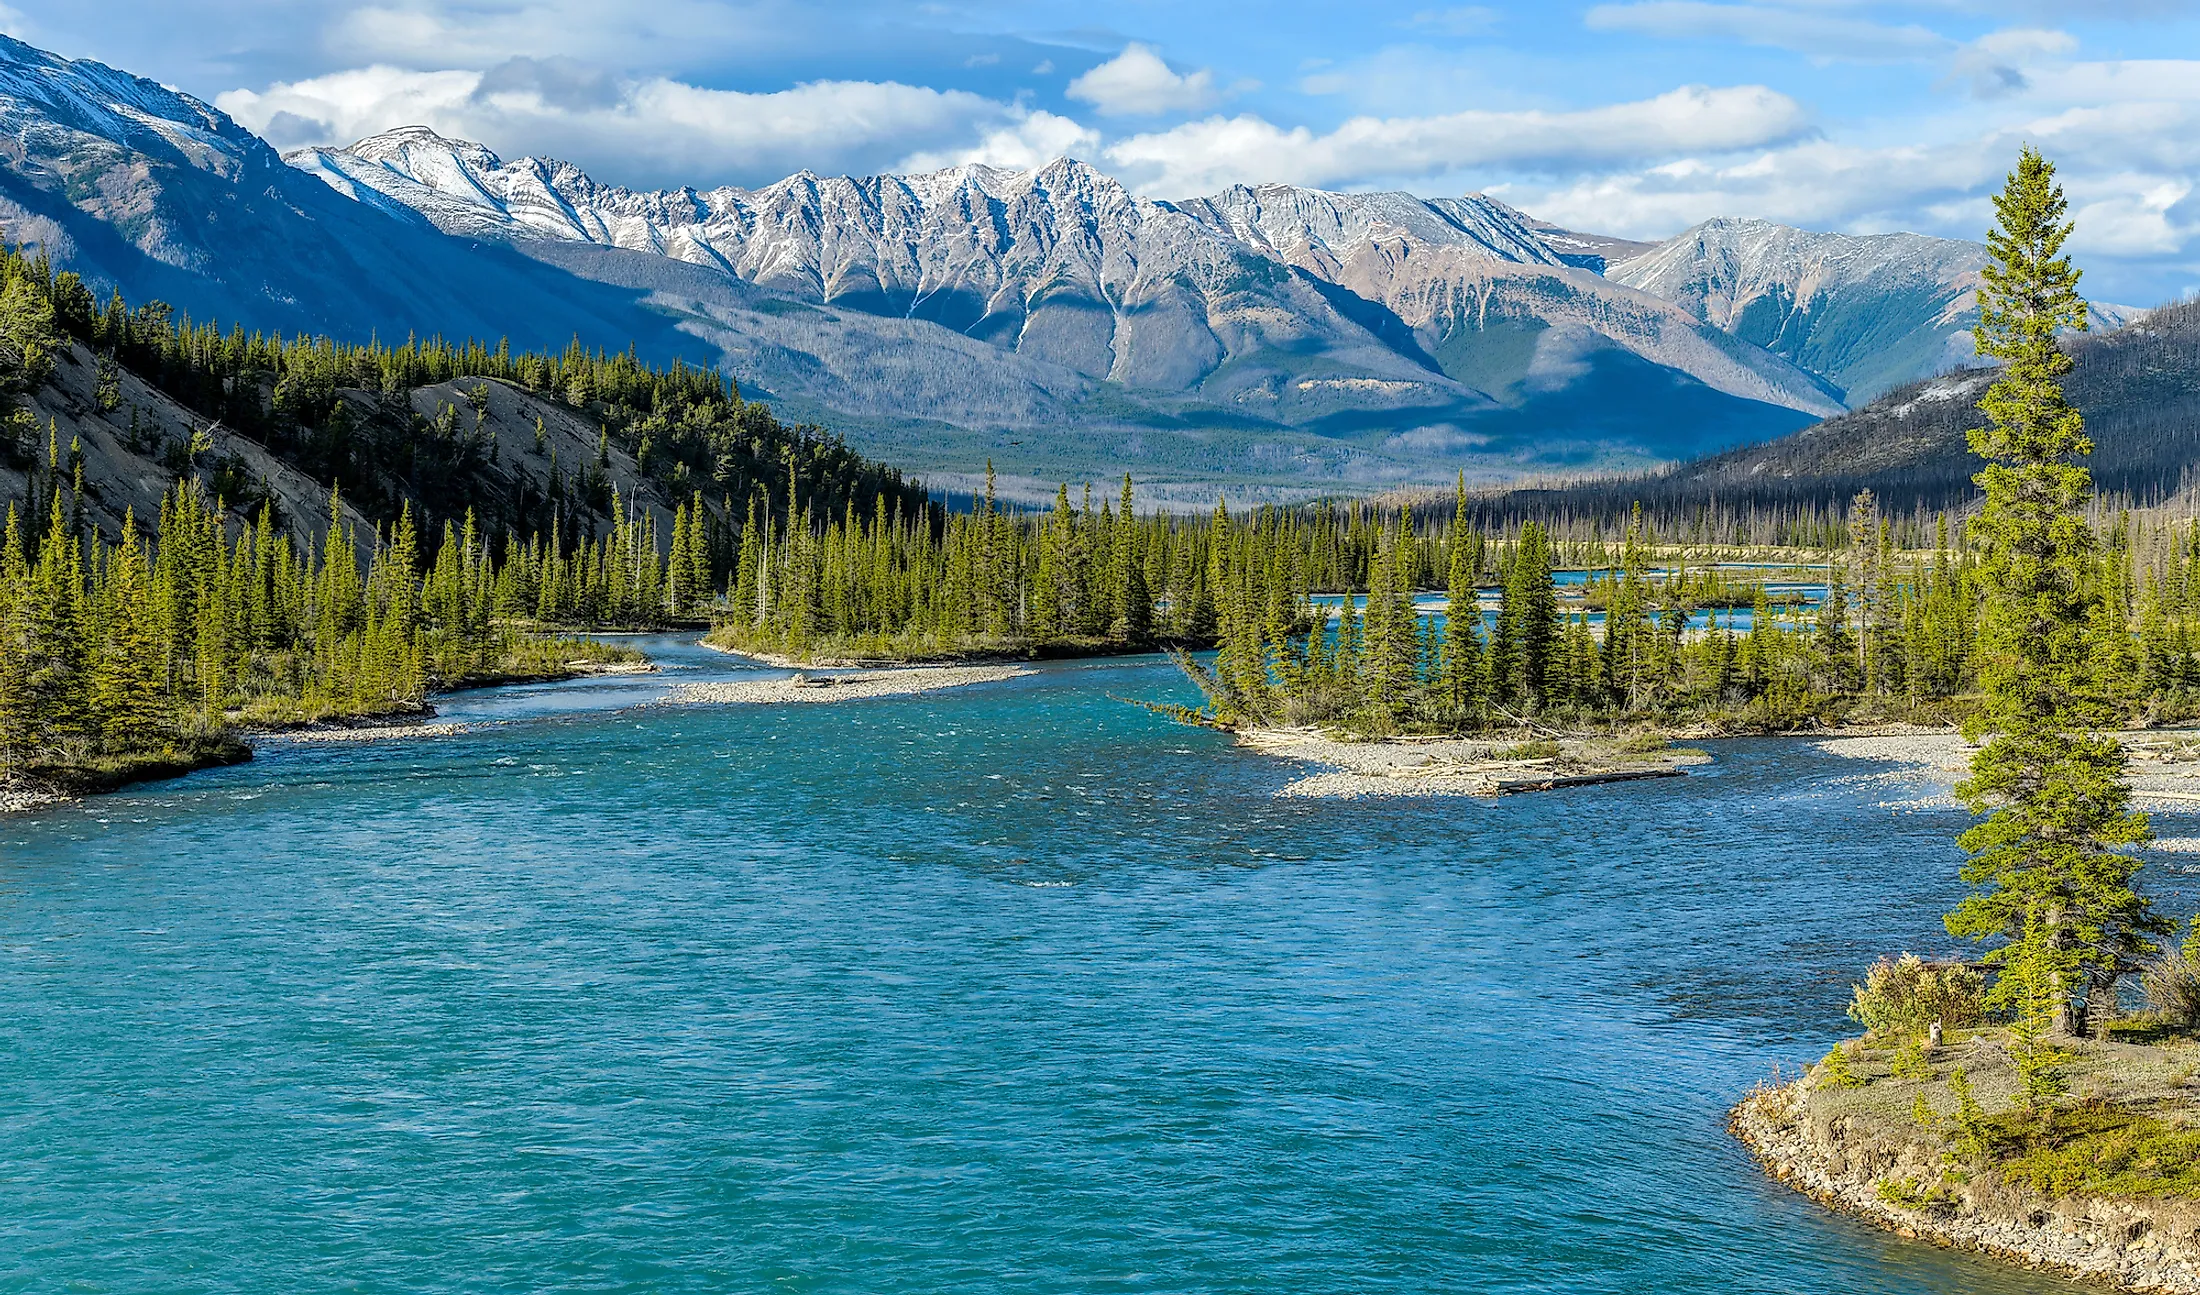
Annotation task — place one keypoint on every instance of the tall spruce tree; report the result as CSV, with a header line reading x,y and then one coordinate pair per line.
x,y
1527,621
2051,883
1459,676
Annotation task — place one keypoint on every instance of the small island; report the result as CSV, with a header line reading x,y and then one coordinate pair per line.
x,y
1464,766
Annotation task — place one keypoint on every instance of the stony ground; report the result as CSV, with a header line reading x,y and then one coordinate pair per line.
x,y
368,732
844,685
1845,1146
21,795
1411,766
1920,767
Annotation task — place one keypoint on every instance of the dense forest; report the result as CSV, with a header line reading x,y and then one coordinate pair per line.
x,y
116,659
1646,638
1895,636
348,416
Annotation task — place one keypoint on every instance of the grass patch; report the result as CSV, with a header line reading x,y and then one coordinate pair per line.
x,y
2097,1149
89,773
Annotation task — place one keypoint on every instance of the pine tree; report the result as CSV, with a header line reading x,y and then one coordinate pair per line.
x,y
1866,578
1527,621
1460,671
18,720
1393,639
2050,880
128,681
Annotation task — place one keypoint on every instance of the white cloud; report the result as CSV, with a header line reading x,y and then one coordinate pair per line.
x,y
1137,83
2003,62
434,33
2158,80
1820,35
2126,169
1033,141
1202,156
345,106
649,131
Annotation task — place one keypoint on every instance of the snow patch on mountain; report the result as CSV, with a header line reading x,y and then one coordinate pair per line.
x,y
1065,264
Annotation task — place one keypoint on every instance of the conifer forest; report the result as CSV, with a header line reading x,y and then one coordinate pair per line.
x,y
427,570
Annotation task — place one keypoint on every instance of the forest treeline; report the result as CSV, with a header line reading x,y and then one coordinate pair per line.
x,y
1895,635
146,652
342,414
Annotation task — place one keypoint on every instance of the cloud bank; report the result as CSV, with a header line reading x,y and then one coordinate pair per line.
x,y
1434,100
653,131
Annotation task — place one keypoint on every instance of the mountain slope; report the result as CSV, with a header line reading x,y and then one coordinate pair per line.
x,y
1866,312
1050,320
2138,387
138,186
1288,332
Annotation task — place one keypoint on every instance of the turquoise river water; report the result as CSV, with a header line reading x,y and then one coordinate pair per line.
x,y
1012,988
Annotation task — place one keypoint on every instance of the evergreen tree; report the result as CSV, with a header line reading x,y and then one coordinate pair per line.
x,y
129,681
2051,881
1460,671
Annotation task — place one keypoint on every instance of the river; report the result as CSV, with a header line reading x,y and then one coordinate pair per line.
x,y
1010,988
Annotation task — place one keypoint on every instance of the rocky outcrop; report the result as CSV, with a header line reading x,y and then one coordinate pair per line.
x,y
1843,1159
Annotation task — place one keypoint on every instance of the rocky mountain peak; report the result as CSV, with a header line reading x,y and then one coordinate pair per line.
x,y
402,148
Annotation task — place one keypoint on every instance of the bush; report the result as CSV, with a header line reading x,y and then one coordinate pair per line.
x,y
1834,1071
1973,1140
2173,989
1538,750
1905,995
2108,1150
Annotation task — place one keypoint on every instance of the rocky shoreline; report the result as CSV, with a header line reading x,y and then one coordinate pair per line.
x,y
853,685
2164,763
369,732
1458,766
2135,1244
43,787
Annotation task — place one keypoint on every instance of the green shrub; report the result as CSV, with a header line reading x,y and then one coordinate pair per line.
x,y
1910,1194
2107,1150
1834,1071
1973,1138
1909,1062
1905,995
2172,983
1541,750
2040,1068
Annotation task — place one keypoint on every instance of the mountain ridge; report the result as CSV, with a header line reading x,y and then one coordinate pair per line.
x,y
1447,325
1049,319
2137,386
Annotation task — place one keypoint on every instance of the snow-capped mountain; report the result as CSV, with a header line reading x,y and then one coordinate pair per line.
x,y
1049,319
1387,321
141,187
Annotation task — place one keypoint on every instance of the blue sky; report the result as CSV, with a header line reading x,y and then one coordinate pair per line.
x,y
1638,117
